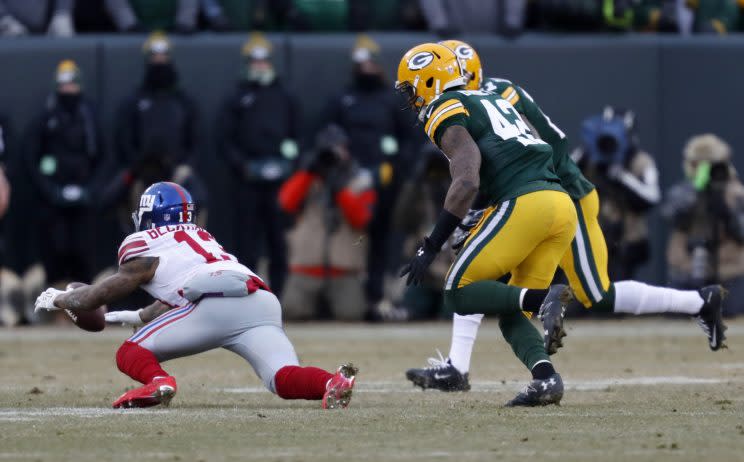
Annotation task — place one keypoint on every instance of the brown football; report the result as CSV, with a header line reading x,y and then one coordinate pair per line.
x,y
92,320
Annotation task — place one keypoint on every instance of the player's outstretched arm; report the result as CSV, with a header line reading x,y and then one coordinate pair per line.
x,y
130,276
153,310
139,317
464,156
465,160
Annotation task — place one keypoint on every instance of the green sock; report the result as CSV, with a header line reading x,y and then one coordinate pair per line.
x,y
483,297
525,340
607,304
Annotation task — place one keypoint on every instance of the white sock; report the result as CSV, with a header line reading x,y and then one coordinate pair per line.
x,y
464,331
638,298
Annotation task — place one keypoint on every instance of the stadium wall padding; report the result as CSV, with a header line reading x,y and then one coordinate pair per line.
x,y
678,87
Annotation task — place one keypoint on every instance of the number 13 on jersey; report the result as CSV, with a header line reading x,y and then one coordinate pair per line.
x,y
183,236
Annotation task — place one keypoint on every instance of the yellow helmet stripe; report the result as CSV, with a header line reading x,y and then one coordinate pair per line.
x,y
454,110
439,110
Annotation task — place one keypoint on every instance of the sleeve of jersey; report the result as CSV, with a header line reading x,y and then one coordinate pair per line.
x,y
445,114
132,247
548,131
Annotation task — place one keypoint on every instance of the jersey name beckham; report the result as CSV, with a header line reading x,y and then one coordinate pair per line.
x,y
183,251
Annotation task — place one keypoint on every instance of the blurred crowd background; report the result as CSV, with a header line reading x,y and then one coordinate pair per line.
x,y
446,17
325,207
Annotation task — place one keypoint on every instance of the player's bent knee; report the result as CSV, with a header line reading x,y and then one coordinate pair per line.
x,y
123,354
453,301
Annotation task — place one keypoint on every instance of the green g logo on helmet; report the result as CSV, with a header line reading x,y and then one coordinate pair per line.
x,y
464,52
420,60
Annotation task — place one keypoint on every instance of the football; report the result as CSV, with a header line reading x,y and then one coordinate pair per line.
x,y
93,320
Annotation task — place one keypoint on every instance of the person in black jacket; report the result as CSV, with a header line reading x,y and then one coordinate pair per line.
x,y
369,111
258,131
64,156
157,138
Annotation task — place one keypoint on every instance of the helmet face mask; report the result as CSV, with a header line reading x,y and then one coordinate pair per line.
x,y
414,102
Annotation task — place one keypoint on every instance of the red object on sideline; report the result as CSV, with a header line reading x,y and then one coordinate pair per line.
x,y
357,208
295,382
294,191
321,272
138,363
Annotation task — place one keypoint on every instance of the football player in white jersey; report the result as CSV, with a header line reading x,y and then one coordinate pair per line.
x,y
205,299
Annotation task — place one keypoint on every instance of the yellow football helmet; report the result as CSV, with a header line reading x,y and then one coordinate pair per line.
x,y
427,70
469,60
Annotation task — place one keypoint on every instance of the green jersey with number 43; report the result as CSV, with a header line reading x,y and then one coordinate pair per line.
x,y
571,177
513,161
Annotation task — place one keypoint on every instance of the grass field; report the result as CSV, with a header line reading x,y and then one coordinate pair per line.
x,y
636,390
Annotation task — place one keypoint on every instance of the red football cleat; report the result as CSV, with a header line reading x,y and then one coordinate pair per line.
x,y
160,391
339,388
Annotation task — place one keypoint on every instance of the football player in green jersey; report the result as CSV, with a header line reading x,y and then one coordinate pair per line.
x,y
585,263
530,220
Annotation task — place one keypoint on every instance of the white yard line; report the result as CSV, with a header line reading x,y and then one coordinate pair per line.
x,y
20,414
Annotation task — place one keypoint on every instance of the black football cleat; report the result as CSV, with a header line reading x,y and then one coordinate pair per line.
x,y
552,311
540,393
710,317
440,375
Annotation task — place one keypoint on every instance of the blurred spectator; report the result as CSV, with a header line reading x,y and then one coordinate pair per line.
x,y
370,112
216,18
707,215
321,15
23,17
312,15
331,197
9,282
453,17
257,133
4,184
627,181
157,135
64,155
714,16
663,16
385,15
92,16
136,15
415,214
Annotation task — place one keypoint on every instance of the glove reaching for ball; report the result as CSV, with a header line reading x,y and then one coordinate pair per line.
x,y
45,301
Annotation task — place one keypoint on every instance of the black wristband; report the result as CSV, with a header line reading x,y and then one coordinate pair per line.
x,y
446,224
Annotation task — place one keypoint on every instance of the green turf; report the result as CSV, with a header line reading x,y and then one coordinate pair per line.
x,y
644,390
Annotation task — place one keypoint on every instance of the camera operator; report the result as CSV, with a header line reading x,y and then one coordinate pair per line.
x,y
707,215
332,199
257,133
627,181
